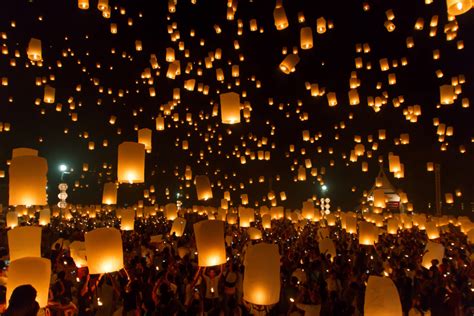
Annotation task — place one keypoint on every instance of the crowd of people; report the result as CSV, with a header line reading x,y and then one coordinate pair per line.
x,y
163,278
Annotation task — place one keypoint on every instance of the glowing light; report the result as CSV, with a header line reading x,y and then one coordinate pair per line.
x,y
62,167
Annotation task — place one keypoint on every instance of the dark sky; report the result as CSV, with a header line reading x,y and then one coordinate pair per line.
x,y
81,40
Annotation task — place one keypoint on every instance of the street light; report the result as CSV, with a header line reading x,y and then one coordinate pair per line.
x,y
62,168
324,188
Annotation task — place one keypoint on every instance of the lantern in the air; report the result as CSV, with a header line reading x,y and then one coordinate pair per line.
x,y
307,210
262,274
446,94
367,233
210,243
266,221
230,108
83,4
24,242
171,211
104,250
144,137
109,195
33,271
34,50
279,15
306,38
288,65
379,198
49,94
381,297
127,221
27,183
432,230
203,188
78,253
131,163
179,224
458,7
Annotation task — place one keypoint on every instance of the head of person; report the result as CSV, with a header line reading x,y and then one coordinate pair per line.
x,y
23,302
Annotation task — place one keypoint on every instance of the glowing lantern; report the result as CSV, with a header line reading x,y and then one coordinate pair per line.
x,y
12,219
288,65
392,226
102,5
127,221
34,50
131,162
144,137
432,251
83,4
78,253
262,274
458,7
379,198
45,217
104,250
301,174
381,297
266,221
179,224
306,38
49,94
33,271
17,152
394,163
281,21
254,233
109,195
351,225
24,242
321,25
210,243
432,230
307,210
27,183
446,94
367,233
449,198
171,211
203,188
230,108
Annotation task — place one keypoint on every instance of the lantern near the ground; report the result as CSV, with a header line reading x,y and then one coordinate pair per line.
x,y
131,163
210,243
432,230
203,188
33,271
432,251
27,182
179,224
104,250
12,219
262,274
254,233
381,297
127,222
45,217
109,195
78,253
24,242
171,211
230,108
367,233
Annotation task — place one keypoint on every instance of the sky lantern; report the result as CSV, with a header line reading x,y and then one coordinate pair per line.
x,y
34,50
306,38
49,94
83,4
27,181
432,251
321,25
45,217
131,163
127,221
230,108
446,94
458,7
266,221
279,15
12,220
24,242
262,274
381,297
432,230
179,224
254,233
30,270
367,233
307,211
77,250
203,187
379,198
109,194
288,65
351,225
210,243
104,250
102,5
17,152
171,211
144,137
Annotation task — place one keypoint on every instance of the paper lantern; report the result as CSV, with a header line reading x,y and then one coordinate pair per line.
x,y
246,215
203,188
307,211
12,219
24,242
262,274
367,233
306,38
230,108
277,212
351,225
131,163
254,233
321,25
49,94
27,182
392,226
281,21
33,271
381,298
17,152
449,198
327,246
104,250
179,224
446,94
171,211
210,244
45,217
434,251
160,123
331,219
379,198
83,4
77,250
232,219
144,137
109,194
458,7
127,221
432,230
34,50
394,163
288,65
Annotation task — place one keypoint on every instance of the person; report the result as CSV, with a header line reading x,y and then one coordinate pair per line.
x,y
22,302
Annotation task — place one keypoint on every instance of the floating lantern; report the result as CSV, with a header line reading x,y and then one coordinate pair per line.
x,y
104,250
203,188
78,253
367,233
210,243
279,15
144,137
171,211
34,50
321,25
254,233
24,242
131,163
127,221
381,297
262,274
33,271
458,7
306,38
109,195
27,182
230,108
432,251
432,230
288,65
179,224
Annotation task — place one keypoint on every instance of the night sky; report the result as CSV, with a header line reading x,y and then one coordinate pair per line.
x,y
78,49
